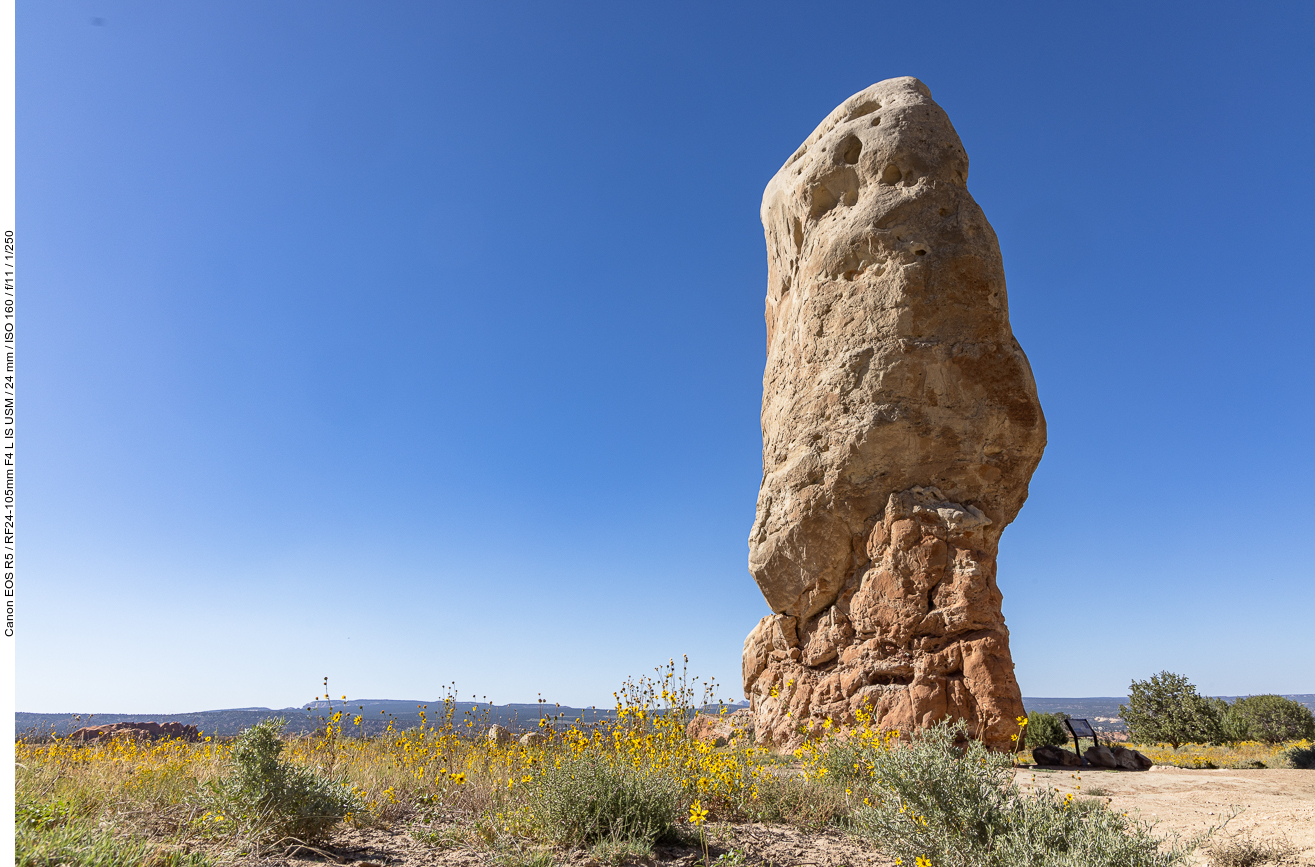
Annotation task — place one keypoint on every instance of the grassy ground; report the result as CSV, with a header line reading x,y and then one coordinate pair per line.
x,y
607,794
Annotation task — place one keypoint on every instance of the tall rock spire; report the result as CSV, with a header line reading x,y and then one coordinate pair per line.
x,y
900,429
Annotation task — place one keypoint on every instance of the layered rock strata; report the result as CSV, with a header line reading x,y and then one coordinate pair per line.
x,y
900,429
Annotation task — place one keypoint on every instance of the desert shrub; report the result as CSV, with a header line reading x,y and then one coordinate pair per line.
x,y
1045,729
847,760
1250,852
948,799
1269,718
521,856
1167,709
620,851
793,799
272,799
1301,757
589,797
448,837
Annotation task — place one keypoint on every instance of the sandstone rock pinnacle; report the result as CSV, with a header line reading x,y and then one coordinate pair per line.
x,y
900,429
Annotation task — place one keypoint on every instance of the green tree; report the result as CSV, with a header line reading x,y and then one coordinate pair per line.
x,y
1269,718
1167,709
1045,729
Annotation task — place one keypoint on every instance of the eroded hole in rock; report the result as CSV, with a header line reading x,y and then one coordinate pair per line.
x,y
841,185
920,252
821,201
891,175
893,680
850,148
864,110
876,120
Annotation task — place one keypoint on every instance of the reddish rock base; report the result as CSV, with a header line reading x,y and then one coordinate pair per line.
x,y
916,635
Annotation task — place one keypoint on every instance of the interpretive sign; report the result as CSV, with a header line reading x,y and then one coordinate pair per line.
x,y
1080,728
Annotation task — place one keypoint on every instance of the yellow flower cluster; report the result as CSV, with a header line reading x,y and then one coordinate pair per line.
x,y
824,735
1222,756
435,762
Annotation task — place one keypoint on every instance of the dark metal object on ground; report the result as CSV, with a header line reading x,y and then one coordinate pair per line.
x,y
1080,728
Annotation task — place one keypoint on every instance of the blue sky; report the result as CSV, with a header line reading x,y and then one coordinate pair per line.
x,y
417,342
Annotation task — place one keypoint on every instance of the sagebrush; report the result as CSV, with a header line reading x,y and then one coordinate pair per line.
x,y
273,800
1045,729
946,799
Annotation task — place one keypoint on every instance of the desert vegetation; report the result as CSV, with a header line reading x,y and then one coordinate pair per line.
x,y
1045,729
612,791
1174,725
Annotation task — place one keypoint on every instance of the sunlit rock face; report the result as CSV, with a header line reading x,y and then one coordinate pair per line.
x,y
900,429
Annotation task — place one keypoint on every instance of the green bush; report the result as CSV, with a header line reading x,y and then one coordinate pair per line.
x,y
587,799
1045,729
1167,709
1269,718
274,800
950,800
1301,758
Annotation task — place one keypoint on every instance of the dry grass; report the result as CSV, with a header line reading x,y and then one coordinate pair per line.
x,y
1248,851
451,788
434,776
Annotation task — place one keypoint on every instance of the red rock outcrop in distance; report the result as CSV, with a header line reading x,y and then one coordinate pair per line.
x,y
145,730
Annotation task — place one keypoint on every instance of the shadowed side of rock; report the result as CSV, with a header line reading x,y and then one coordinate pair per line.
x,y
900,429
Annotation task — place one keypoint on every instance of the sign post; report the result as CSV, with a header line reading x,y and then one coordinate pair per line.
x,y
1080,728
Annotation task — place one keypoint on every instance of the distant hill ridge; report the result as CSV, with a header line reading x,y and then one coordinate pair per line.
x,y
1103,711
377,713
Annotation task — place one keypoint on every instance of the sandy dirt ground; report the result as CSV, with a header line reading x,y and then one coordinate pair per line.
x,y
1263,805
1269,804
762,845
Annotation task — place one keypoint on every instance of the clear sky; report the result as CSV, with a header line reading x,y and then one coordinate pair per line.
x,y
407,343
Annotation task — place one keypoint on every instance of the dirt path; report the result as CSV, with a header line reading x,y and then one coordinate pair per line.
x,y
1269,803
